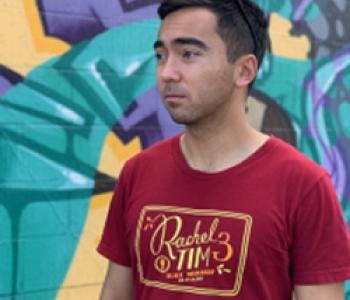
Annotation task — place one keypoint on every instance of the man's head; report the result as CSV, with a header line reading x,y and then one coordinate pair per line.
x,y
240,23
206,59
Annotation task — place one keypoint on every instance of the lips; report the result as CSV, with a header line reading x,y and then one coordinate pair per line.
x,y
174,100
173,93
174,96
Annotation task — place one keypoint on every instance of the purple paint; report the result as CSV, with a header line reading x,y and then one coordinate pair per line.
x,y
332,159
337,168
299,9
5,85
148,119
8,79
74,21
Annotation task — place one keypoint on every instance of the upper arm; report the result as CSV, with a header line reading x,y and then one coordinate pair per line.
x,y
320,292
118,283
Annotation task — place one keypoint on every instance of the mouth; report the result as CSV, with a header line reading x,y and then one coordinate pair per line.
x,y
173,100
173,96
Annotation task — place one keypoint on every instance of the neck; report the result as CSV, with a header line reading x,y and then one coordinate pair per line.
x,y
221,142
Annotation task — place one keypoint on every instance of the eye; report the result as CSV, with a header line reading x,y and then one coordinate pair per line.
x,y
190,54
160,56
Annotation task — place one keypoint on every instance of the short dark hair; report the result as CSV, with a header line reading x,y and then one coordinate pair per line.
x,y
241,24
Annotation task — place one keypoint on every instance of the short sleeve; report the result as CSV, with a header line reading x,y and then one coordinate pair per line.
x,y
114,244
320,251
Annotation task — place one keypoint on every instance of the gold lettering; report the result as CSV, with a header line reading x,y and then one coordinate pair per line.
x,y
200,256
166,235
205,272
196,238
182,254
226,243
214,225
174,275
204,238
179,242
190,259
160,234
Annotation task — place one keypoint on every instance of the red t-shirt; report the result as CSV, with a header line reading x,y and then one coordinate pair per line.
x,y
250,232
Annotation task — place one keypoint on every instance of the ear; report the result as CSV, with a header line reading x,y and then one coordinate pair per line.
x,y
246,69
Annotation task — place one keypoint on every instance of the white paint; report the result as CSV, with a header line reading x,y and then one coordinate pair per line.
x,y
77,178
69,114
132,68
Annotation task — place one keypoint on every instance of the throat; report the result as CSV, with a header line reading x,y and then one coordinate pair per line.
x,y
213,156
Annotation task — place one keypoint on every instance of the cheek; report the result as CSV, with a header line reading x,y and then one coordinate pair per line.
x,y
216,79
157,73
215,88
223,78
160,83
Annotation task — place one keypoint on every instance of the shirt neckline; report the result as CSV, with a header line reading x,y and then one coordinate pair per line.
x,y
182,164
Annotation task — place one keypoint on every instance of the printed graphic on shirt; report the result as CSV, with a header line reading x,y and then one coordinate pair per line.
x,y
192,250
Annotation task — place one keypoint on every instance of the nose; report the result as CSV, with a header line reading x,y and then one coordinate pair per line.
x,y
169,71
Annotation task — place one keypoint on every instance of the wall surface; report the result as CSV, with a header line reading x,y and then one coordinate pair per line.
x,y
78,98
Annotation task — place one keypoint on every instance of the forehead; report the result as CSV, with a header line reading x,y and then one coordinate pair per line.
x,y
189,22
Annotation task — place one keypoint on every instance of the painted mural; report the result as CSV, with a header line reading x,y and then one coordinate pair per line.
x,y
78,98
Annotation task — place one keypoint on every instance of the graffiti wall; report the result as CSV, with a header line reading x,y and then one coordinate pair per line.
x,y
78,98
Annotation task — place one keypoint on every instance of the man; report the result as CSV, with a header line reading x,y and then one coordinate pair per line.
x,y
221,211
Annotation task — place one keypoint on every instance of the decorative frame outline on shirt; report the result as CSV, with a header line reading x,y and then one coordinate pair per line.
x,y
197,212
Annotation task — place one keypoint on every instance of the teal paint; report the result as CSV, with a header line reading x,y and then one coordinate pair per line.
x,y
53,126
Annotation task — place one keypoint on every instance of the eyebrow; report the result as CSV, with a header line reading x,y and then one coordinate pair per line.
x,y
183,41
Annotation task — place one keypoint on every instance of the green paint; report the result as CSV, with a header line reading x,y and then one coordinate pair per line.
x,y
344,117
325,76
346,79
54,124
283,8
312,11
333,92
332,128
53,128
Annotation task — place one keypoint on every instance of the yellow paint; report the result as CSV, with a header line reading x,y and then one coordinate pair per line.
x,y
116,152
283,44
24,46
23,43
42,42
88,268
100,201
82,292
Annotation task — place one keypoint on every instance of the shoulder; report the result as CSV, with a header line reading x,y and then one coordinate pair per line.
x,y
152,157
293,162
293,171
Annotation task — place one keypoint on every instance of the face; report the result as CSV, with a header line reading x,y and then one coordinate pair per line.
x,y
194,76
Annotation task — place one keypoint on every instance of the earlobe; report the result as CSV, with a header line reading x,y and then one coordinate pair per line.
x,y
246,70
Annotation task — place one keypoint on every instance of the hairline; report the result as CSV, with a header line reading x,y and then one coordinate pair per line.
x,y
220,31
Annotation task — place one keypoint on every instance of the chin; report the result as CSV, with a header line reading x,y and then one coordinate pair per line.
x,y
183,120
179,119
